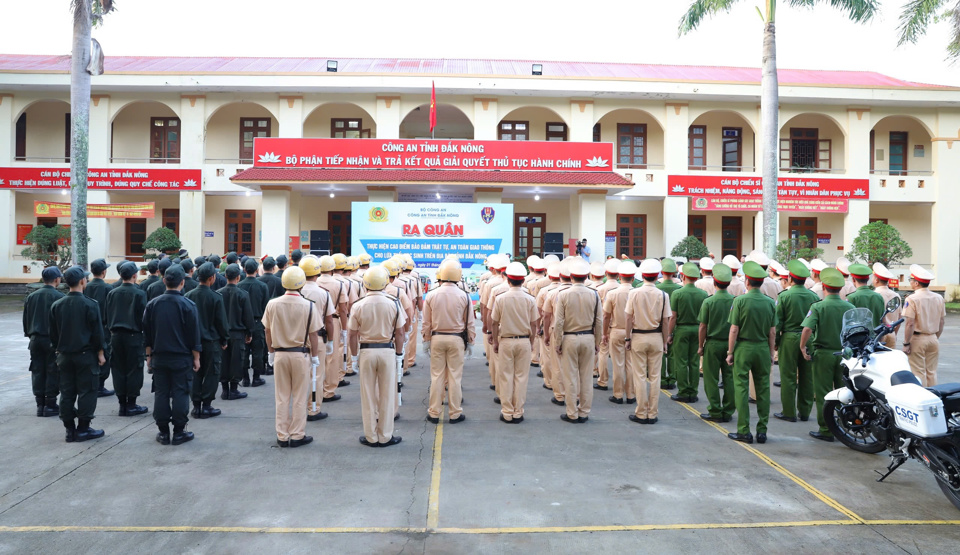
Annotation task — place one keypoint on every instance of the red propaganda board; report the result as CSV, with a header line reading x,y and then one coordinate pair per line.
x,y
794,194
22,231
394,154
121,179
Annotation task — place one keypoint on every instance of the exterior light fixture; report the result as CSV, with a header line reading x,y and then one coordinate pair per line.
x,y
438,196
536,197
63,191
537,69
332,66
332,195
248,193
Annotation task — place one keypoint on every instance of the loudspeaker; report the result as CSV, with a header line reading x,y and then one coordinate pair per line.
x,y
319,235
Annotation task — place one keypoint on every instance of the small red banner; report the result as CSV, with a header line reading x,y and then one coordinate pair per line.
x,y
795,194
120,179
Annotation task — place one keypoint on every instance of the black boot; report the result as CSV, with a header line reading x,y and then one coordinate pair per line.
x,y
51,408
226,391
236,393
40,402
181,436
104,392
133,409
196,410
163,436
123,405
85,432
71,431
206,411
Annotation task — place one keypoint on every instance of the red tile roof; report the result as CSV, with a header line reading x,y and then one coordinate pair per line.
x,y
506,68
320,175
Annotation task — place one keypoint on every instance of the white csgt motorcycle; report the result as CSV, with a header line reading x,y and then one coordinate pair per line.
x,y
883,405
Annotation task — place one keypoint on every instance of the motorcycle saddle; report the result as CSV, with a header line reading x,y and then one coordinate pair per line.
x,y
945,389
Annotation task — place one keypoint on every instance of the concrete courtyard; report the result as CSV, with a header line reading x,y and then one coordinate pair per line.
x,y
478,486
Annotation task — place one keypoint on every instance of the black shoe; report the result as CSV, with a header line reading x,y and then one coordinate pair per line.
x,y
600,387
720,385
257,382
350,374
679,398
393,441
315,417
493,387
245,382
51,408
539,374
669,386
761,438
633,418
194,413
343,383
744,438
87,434
710,418
268,371
496,400
405,373
726,419
236,394
396,417
163,438
776,384
616,400
40,402
566,418
517,420
780,416
336,397
180,437
822,437
283,443
653,420
556,401
208,412
804,418
693,399
302,441
582,419
133,409
70,435
547,388
363,441
436,420
225,395
458,419
104,392
753,401
631,400
414,365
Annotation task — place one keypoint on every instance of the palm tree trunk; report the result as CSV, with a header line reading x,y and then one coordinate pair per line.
x,y
770,132
80,130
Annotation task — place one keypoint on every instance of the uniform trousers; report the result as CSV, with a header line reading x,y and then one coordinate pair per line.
x,y
204,387
924,356
333,365
752,357
492,364
622,365
315,384
127,362
535,353
796,378
107,355
600,368
827,376
446,370
646,358
546,365
410,349
558,381
686,362
256,348
172,380
79,382
576,365
43,367
378,393
291,373
715,368
514,369
233,364
669,374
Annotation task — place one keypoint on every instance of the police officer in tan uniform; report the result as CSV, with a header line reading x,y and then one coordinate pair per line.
x,y
531,284
577,332
848,286
350,272
352,289
925,314
416,295
495,292
881,284
364,260
376,331
496,263
547,321
547,366
648,315
736,287
706,283
817,266
340,297
448,334
291,324
615,331
311,266
771,287
514,327
600,272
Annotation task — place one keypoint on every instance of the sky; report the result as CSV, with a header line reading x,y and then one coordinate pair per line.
x,y
639,31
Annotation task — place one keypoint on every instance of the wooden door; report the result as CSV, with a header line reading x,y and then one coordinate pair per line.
x,y
339,225
240,231
528,234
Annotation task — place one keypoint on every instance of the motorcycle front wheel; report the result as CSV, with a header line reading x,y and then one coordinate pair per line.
x,y
851,427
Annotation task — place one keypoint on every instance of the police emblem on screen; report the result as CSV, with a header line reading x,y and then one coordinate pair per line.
x,y
487,213
378,214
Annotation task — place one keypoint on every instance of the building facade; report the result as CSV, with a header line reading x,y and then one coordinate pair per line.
x,y
685,147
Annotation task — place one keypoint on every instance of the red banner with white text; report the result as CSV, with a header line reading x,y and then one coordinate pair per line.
x,y
794,194
120,179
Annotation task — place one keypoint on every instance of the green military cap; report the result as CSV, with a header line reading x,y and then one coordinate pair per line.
x,y
860,271
669,266
831,277
722,273
753,270
798,269
690,270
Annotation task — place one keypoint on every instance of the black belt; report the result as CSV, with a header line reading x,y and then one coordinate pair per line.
x,y
125,331
528,337
292,350
454,333
587,332
337,316
657,330
376,346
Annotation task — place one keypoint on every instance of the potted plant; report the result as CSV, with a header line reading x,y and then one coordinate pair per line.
x,y
162,240
48,246
690,248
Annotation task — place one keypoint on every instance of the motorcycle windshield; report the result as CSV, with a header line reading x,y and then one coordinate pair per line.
x,y
856,318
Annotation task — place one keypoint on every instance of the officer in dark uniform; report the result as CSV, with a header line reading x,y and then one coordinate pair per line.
x,y
295,257
270,278
124,308
189,283
259,296
76,331
281,265
236,303
213,337
117,283
36,326
232,258
153,267
157,288
199,261
172,333
97,290
220,281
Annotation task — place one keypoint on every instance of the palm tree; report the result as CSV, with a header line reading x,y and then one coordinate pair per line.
x,y
857,10
86,14
917,15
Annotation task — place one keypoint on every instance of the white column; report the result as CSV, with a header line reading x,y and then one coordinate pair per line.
x,y
485,119
388,117
294,228
384,194
593,223
857,216
290,117
99,230
8,233
99,132
580,128
675,212
758,230
676,137
192,128
491,195
859,124
275,208
191,221
6,129
574,221
945,226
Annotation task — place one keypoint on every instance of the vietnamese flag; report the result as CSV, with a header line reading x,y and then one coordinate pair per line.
x,y
433,106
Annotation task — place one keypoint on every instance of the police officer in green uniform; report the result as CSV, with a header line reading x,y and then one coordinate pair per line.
x,y
668,378
157,288
97,290
236,303
684,325
213,339
124,309
750,349
259,296
864,297
153,267
43,358
76,332
714,333
823,323
796,374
